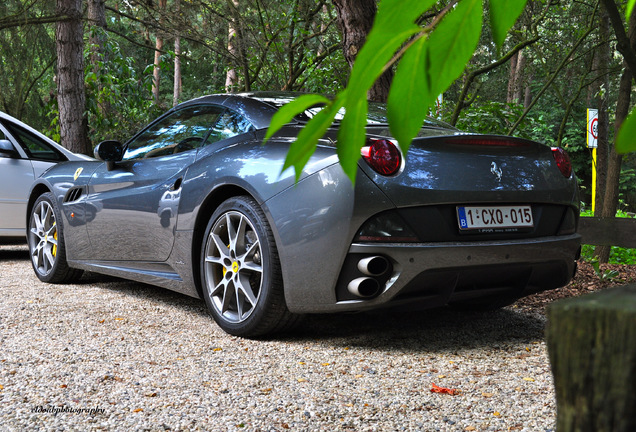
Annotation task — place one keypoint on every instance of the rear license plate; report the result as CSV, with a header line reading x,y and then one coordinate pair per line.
x,y
494,217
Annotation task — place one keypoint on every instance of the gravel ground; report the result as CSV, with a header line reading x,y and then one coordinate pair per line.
x,y
106,354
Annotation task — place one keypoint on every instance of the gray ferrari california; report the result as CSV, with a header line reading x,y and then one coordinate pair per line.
x,y
197,204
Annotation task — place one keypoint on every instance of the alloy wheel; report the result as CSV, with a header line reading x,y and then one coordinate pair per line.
x,y
44,237
233,267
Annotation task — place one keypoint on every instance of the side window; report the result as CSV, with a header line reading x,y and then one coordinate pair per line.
x,y
180,131
228,125
34,147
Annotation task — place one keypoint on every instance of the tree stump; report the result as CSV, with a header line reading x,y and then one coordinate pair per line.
x,y
592,347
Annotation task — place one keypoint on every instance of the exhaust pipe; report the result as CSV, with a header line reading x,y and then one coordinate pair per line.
x,y
364,287
373,265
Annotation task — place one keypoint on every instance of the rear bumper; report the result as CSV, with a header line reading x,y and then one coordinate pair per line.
x,y
435,274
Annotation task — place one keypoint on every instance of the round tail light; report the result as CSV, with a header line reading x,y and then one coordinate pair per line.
x,y
382,155
563,161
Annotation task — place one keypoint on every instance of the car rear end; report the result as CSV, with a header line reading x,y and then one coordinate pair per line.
x,y
478,221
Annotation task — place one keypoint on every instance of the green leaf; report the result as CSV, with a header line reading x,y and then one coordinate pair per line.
x,y
301,150
288,111
630,8
452,43
503,14
394,24
407,104
430,66
352,136
626,138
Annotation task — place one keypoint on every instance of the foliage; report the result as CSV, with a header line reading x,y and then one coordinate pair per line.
x,y
431,58
113,106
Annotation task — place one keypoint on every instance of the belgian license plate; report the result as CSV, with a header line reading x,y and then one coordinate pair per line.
x,y
494,217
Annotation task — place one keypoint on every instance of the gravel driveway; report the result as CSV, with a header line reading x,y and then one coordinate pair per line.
x,y
106,354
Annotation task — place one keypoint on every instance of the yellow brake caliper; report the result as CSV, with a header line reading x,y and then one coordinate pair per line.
x,y
54,251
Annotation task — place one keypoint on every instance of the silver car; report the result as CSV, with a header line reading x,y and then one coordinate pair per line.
x,y
24,155
196,203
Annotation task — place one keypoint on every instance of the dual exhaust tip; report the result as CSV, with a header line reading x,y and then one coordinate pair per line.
x,y
368,286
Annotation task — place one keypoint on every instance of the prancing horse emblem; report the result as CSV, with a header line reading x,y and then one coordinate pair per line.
x,y
496,171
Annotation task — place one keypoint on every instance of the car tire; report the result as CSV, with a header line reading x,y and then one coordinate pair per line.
x,y
241,273
46,242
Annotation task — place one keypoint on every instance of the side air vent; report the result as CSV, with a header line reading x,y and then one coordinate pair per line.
x,y
73,194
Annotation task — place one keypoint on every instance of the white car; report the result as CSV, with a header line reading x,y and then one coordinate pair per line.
x,y
24,155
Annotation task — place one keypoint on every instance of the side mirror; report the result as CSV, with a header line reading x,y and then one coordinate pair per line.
x,y
110,152
7,150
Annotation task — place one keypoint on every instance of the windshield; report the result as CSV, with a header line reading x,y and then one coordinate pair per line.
x,y
375,116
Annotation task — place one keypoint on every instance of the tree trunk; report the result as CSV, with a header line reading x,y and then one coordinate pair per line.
x,y
592,348
176,94
518,82
156,73
603,115
71,97
512,77
614,160
355,19
231,78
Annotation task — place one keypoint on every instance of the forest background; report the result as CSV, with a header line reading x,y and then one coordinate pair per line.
x,y
138,58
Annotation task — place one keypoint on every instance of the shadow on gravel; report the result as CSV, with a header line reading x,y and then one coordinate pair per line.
x,y
431,330
13,253
442,329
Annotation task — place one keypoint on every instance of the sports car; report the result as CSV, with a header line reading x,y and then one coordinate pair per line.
x,y
24,155
196,203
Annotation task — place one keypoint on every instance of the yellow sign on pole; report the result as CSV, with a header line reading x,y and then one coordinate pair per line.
x,y
592,142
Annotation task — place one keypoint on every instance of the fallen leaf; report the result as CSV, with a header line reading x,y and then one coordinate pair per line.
x,y
217,349
438,389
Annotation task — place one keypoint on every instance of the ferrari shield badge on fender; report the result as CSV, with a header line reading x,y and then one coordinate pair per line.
x,y
77,173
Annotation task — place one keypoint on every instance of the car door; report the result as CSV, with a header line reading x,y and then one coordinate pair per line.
x,y
136,203
18,169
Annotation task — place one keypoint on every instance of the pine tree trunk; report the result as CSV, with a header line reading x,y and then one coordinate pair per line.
x,y
355,19
71,97
156,73
176,94
231,77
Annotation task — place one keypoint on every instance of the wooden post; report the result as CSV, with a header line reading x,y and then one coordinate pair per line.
x,y
592,347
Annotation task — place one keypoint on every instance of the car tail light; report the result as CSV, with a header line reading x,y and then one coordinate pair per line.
x,y
563,161
382,155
